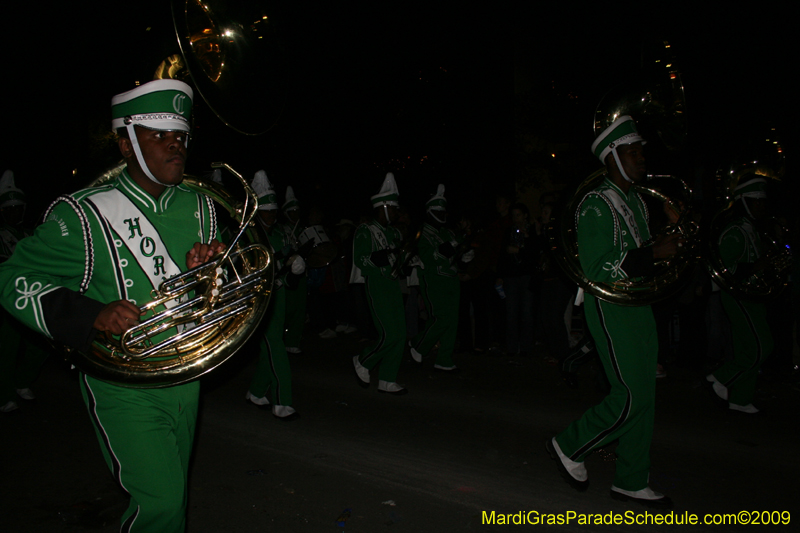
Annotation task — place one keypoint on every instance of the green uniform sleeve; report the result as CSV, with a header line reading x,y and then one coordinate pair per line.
x,y
41,281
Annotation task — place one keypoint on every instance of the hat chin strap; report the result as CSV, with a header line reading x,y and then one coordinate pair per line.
x,y
386,213
140,157
619,165
443,220
747,208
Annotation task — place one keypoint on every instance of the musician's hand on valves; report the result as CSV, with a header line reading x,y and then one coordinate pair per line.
x,y
201,253
665,246
117,317
298,265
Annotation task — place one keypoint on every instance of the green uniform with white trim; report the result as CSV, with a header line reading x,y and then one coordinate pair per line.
x,y
439,285
273,374
384,297
95,247
611,227
740,246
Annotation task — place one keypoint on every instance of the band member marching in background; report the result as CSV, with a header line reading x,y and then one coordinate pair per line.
x,y
296,296
612,225
742,253
439,285
375,248
94,261
273,375
21,355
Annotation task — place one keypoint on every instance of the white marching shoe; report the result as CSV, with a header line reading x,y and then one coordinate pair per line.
x,y
391,387
361,373
415,355
261,402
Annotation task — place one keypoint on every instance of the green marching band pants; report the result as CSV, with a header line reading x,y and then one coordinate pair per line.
x,y
296,303
388,313
627,343
752,343
146,436
273,374
440,295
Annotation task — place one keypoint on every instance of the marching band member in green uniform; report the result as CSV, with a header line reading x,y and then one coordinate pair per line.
x,y
94,261
612,227
296,297
375,247
742,254
438,281
21,357
273,375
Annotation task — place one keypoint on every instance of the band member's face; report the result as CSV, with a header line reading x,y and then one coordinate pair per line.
x,y
632,158
393,213
293,215
164,152
518,217
758,207
13,215
268,216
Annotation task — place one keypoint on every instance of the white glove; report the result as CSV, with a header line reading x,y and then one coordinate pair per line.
x,y
469,256
298,265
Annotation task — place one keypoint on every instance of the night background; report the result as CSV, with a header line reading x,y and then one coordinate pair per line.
x,y
480,98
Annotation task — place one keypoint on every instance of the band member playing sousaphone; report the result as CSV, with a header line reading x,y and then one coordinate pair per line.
x,y
743,255
612,227
94,261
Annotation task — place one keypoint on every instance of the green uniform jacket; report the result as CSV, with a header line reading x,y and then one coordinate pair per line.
x,y
372,237
97,246
610,233
435,263
740,246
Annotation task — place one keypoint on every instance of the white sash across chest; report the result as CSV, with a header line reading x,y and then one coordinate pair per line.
x,y
621,207
116,208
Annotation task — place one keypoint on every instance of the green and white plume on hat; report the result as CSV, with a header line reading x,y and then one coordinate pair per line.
x,y
622,131
9,194
267,199
162,105
388,195
291,203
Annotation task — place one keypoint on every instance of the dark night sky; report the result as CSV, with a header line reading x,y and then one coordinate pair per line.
x,y
369,86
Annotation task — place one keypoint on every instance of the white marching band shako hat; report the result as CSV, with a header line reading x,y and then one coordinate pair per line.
x,y
267,199
622,131
161,105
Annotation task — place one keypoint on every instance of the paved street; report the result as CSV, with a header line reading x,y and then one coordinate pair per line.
x,y
431,461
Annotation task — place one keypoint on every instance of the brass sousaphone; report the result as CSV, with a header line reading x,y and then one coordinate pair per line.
x,y
225,52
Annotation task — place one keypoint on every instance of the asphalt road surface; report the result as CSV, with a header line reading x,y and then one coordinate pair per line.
x,y
442,458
